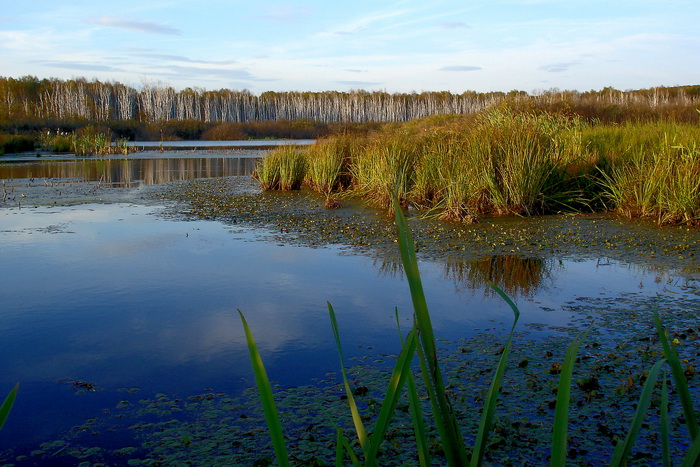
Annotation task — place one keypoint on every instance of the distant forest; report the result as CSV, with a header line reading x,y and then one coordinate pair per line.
x,y
29,104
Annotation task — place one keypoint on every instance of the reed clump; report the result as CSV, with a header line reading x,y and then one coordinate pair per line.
x,y
504,162
83,142
284,168
15,143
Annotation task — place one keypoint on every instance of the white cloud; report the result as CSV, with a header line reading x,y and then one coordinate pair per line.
x,y
122,22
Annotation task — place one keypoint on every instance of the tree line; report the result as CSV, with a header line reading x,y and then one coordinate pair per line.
x,y
31,98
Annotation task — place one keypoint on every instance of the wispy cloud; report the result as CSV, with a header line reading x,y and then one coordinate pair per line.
x,y
364,23
453,25
76,65
285,13
122,22
460,68
209,72
359,83
558,67
181,58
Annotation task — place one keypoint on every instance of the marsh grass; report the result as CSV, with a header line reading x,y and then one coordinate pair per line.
x,y
15,143
504,162
663,185
84,142
283,168
385,164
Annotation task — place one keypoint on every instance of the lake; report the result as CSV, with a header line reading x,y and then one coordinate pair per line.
x,y
101,299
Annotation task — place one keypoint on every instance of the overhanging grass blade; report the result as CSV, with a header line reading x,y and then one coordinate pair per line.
x,y
678,378
7,405
422,445
624,448
357,420
453,443
492,394
266,397
561,413
391,396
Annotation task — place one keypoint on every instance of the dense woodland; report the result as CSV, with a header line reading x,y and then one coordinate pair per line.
x,y
30,104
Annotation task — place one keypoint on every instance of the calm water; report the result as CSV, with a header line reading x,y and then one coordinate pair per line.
x,y
119,296
128,172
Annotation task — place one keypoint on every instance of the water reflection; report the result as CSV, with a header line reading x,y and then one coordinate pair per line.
x,y
130,172
514,274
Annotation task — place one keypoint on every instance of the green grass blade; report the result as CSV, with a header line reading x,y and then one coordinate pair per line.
x,y
422,444
357,420
561,414
624,448
665,425
7,405
453,443
391,396
492,394
693,455
342,446
266,397
678,378
339,449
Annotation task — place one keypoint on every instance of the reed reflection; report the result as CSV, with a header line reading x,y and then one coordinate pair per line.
x,y
514,274
130,172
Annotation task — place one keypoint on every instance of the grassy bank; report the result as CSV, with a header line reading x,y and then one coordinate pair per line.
x,y
504,162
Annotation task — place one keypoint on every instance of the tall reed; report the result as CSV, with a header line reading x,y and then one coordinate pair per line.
x,y
283,168
328,164
663,185
386,164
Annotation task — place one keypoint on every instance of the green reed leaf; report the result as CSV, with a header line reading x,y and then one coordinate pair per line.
x,y
693,455
422,444
492,394
624,448
561,414
7,405
665,425
391,396
678,378
266,397
356,418
446,421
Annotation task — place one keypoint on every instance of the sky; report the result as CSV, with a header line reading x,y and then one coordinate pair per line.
x,y
326,45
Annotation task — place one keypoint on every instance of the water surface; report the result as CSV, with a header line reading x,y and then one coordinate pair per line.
x,y
118,296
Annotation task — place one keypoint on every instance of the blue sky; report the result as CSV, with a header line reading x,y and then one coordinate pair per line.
x,y
319,45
